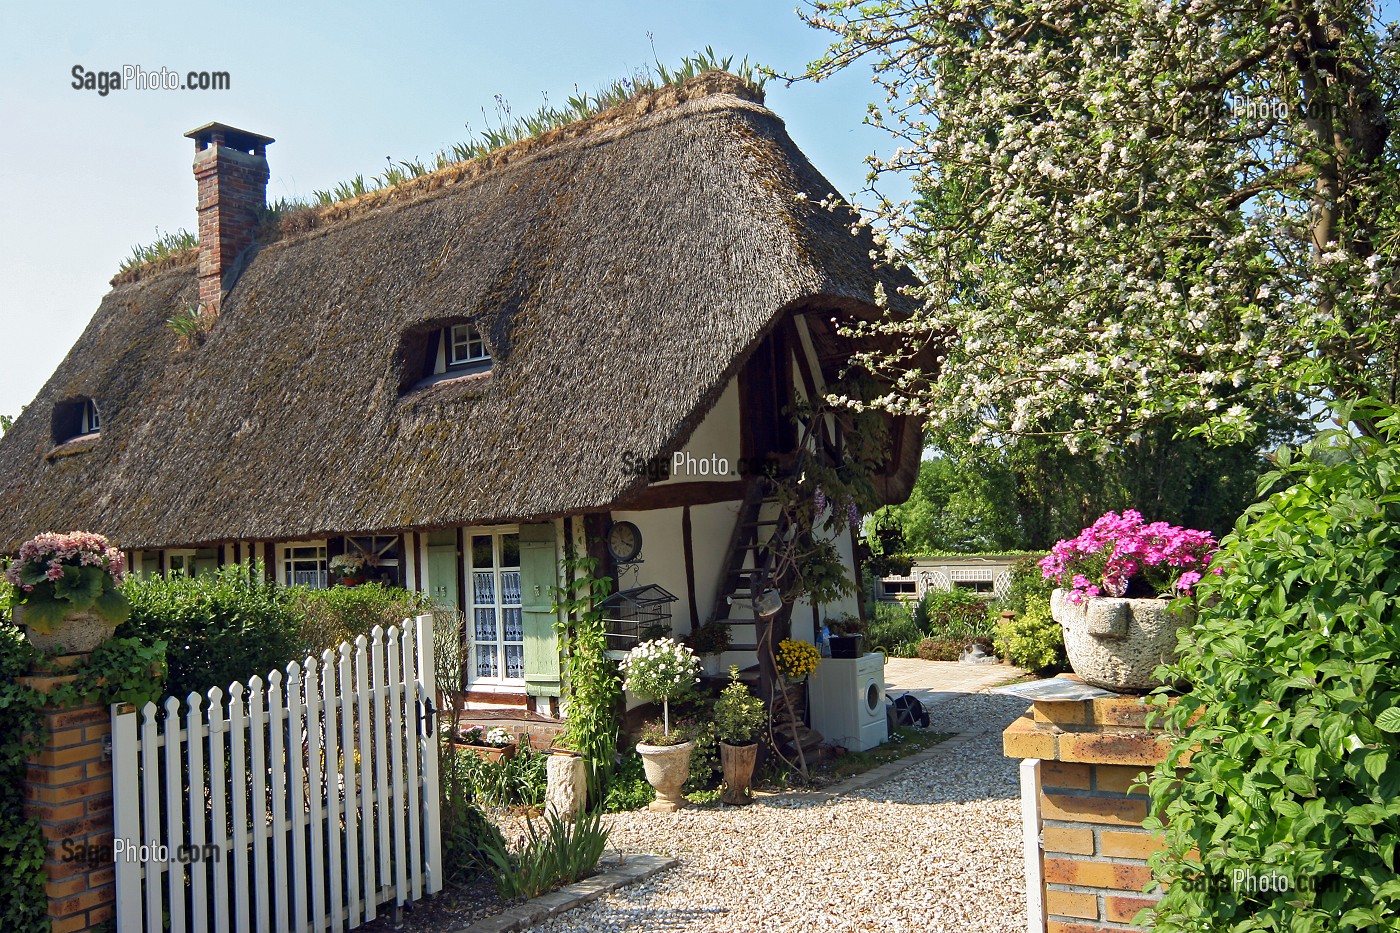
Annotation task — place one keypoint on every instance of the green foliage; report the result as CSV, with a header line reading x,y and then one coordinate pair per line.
x,y
738,714
566,851
590,676
893,629
955,614
710,638
518,781
6,422
24,909
939,649
628,788
1294,674
221,627
656,732
704,758
1033,640
340,613
119,671
165,246
468,839
1027,583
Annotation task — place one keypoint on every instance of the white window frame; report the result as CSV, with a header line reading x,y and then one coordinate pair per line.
x,y
498,605
286,573
92,418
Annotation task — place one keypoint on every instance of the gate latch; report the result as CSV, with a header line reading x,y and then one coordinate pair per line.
x,y
426,712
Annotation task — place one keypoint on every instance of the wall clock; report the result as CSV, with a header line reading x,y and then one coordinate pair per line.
x,y
624,542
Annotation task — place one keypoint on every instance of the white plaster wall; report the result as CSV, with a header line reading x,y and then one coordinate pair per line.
x,y
714,444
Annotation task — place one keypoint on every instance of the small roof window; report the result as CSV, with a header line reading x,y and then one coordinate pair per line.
x,y
457,350
76,418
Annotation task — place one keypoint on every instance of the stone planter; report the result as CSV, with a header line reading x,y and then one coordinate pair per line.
x,y
667,767
738,762
566,789
79,633
1117,643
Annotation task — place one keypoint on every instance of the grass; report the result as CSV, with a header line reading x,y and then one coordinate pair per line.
x,y
904,741
165,246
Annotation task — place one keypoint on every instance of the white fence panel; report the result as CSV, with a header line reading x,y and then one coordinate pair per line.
x,y
302,803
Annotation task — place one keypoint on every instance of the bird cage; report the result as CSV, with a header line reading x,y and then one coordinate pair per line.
x,y
636,615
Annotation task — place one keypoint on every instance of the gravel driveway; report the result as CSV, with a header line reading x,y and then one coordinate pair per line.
x,y
936,848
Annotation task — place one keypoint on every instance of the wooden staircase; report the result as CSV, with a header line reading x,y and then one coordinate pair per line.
x,y
748,564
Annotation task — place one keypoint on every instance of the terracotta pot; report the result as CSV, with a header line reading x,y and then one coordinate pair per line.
x,y
666,767
78,633
351,581
492,752
738,762
1117,643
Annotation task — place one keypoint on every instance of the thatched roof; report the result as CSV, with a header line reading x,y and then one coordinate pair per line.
x,y
621,270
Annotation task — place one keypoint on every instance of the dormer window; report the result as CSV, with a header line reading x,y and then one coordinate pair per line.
x,y
75,418
445,352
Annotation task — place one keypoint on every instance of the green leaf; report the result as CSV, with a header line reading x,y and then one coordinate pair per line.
x,y
1389,720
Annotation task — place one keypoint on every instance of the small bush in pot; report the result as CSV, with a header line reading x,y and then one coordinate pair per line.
x,y
738,718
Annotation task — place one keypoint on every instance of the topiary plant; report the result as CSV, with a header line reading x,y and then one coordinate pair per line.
x,y
1287,814
1033,640
738,714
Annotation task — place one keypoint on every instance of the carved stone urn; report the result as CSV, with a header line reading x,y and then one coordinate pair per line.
x,y
1116,644
666,767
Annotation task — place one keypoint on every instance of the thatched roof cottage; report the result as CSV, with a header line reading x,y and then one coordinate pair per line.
x,y
456,375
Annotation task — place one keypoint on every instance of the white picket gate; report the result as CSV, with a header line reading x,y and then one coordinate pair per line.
x,y
299,804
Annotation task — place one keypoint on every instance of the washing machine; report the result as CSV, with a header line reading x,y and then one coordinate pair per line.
x,y
846,697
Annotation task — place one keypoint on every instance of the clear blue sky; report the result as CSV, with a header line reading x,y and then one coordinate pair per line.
x,y
340,86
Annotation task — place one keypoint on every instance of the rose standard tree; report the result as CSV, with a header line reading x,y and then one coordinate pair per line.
x,y
1135,213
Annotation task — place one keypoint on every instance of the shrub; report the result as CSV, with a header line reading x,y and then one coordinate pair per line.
x,y
738,714
24,909
1292,710
704,758
328,617
958,614
564,852
1027,580
468,838
627,787
940,649
893,628
219,627
518,781
1033,640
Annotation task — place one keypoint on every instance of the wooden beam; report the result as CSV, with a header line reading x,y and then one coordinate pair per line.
x,y
462,570
689,545
417,561
674,495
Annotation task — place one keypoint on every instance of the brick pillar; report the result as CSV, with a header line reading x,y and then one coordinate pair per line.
x,y
1093,847
68,790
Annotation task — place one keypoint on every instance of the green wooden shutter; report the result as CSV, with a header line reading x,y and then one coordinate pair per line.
x,y
538,576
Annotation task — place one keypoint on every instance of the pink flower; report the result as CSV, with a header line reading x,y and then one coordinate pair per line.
x,y
1187,580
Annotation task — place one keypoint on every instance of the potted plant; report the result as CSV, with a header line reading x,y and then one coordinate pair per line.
x,y
1118,579
494,744
739,715
348,569
847,631
663,670
68,590
710,641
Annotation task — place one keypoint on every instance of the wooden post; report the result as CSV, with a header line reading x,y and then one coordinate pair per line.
x,y
68,790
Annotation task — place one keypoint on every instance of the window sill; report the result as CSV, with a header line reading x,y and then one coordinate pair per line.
x,y
74,445
448,383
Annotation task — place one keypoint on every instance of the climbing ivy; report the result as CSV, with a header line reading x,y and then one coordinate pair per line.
x,y
590,676
123,670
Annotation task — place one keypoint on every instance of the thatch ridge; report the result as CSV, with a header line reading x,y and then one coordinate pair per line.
x,y
621,274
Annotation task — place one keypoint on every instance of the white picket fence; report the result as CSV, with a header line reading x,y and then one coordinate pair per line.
x,y
300,804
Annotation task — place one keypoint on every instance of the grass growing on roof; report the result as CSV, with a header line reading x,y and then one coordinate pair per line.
x,y
507,130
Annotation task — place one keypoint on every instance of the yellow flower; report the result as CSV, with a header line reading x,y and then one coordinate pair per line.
x,y
796,659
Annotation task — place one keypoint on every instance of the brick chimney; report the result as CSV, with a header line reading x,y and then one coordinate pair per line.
x,y
230,166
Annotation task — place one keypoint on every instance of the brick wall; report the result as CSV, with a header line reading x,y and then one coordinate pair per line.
x,y
1093,847
68,789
